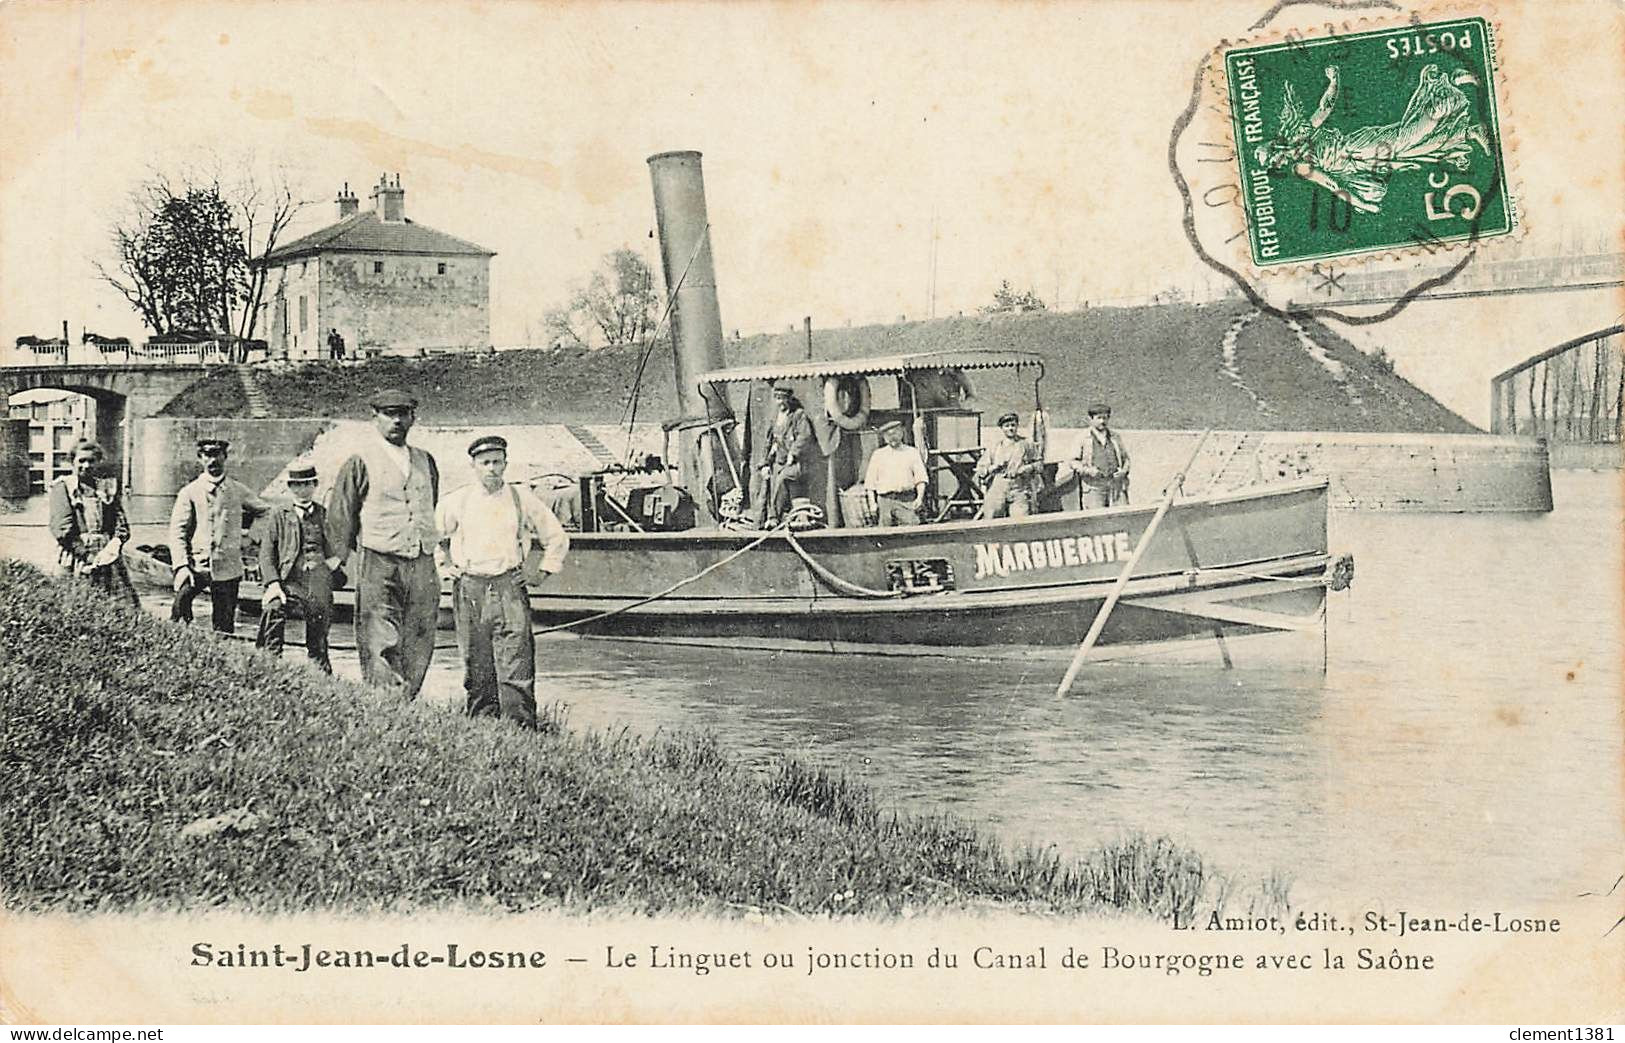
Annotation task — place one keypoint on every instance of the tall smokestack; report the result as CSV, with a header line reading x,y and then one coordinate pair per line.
x,y
696,324
685,256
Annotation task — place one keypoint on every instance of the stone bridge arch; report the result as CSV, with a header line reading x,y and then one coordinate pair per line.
x,y
124,396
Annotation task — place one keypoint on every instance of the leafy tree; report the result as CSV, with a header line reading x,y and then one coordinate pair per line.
x,y
186,245
1008,301
618,305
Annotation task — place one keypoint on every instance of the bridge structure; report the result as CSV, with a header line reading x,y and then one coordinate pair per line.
x,y
125,394
1333,284
1572,395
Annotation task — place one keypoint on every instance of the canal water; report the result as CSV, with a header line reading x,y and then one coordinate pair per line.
x,y
1464,741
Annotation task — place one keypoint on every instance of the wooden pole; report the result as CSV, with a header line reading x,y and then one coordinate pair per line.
x,y
1128,570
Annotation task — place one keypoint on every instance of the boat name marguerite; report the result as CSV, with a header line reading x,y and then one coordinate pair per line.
x,y
1004,558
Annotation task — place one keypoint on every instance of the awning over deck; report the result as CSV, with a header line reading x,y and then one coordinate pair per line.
x,y
917,362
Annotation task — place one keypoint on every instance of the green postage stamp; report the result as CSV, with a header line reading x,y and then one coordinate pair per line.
x,y
1370,141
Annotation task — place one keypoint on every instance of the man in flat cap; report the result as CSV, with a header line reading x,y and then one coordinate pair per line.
x,y
1102,461
486,529
1012,472
296,567
383,502
792,451
896,475
206,536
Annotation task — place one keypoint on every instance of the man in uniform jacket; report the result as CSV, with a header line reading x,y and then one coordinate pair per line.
x,y
382,505
297,569
1103,461
206,536
90,528
792,452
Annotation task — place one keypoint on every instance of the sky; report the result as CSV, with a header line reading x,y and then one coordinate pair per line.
x,y
1029,139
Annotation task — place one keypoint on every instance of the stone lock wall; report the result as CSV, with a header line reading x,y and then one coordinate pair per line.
x,y
410,305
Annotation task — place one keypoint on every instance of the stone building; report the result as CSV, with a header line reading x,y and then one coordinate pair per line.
x,y
383,281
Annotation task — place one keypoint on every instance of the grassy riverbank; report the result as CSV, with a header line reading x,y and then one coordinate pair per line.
x,y
1160,366
148,765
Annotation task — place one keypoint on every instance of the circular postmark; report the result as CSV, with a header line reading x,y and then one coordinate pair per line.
x,y
1355,163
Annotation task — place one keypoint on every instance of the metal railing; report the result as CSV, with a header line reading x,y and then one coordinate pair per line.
x,y
194,353
1571,393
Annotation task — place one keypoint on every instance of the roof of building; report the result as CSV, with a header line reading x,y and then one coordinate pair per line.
x,y
920,360
365,232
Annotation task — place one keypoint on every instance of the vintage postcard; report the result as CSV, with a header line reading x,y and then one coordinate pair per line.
x,y
539,513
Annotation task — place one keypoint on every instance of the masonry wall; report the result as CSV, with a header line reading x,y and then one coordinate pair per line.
x,y
403,304
289,337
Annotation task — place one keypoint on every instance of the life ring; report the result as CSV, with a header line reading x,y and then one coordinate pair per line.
x,y
846,400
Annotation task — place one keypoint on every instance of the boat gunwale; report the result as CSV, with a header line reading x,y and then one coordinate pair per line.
x,y
738,536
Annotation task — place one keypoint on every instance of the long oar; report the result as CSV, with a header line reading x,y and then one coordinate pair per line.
x,y
1110,603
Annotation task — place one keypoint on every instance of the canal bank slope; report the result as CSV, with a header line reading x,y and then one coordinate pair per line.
x,y
1165,366
151,765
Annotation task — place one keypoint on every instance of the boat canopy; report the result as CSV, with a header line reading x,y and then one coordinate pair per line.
x,y
899,364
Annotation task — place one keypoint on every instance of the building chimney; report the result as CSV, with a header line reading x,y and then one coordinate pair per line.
x,y
348,203
389,199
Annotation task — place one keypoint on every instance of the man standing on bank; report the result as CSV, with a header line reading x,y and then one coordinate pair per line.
x,y
206,537
90,528
297,569
1012,472
383,501
896,475
485,532
1102,461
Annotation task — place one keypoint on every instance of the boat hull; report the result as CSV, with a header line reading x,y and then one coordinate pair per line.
x,y
1239,564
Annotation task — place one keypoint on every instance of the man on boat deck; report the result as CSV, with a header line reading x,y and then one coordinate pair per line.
x,y
297,569
1012,472
485,531
896,475
206,537
791,452
1103,461
383,500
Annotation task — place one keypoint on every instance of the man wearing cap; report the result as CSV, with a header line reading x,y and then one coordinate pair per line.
x,y
297,568
791,454
1102,461
896,475
1012,472
383,502
206,536
485,532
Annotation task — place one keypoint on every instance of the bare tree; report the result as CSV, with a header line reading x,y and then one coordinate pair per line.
x,y
618,305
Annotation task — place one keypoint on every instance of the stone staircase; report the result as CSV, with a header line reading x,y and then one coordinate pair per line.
x,y
259,407
1236,464
591,443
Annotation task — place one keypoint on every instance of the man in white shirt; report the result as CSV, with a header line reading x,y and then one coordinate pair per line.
x,y
485,532
896,475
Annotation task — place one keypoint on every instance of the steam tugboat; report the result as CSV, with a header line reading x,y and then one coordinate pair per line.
x,y
665,563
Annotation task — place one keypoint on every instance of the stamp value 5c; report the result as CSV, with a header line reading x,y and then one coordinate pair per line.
x,y
1369,142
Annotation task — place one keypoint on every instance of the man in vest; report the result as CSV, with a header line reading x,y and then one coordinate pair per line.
x,y
1102,461
206,536
383,502
297,569
1012,472
485,532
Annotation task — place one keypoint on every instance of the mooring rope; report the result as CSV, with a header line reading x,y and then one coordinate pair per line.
x,y
842,586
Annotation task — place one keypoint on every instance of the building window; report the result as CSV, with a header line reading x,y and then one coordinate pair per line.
x,y
303,314
441,268
378,267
